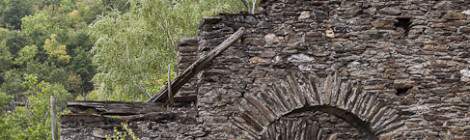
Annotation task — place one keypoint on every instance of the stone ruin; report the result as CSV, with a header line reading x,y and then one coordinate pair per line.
x,y
311,69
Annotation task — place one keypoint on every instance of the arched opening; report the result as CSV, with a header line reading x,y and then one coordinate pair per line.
x,y
311,126
299,107
362,126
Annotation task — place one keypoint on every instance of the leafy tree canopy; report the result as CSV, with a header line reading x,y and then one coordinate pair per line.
x,y
87,50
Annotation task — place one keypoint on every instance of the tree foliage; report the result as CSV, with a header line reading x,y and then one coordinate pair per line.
x,y
87,49
12,11
133,49
32,120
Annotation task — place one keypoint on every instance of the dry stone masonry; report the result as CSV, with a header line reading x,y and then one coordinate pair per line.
x,y
315,69
186,55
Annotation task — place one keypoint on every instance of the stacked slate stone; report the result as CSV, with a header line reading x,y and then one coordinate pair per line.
x,y
186,55
329,69
168,125
412,54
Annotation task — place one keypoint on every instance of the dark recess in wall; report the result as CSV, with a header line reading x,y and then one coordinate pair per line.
x,y
403,23
403,91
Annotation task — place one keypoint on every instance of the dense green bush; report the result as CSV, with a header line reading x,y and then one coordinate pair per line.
x,y
87,49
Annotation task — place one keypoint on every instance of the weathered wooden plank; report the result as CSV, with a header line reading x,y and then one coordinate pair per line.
x,y
72,120
124,108
196,67
113,108
173,116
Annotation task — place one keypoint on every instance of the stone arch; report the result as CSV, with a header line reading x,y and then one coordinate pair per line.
x,y
333,95
311,125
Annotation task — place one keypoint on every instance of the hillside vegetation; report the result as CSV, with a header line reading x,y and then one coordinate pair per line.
x,y
87,50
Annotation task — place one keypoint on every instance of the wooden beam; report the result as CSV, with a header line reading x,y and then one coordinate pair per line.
x,y
196,67
112,108
173,116
124,108
109,121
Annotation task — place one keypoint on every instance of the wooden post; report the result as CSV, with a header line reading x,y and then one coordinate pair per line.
x,y
253,8
53,118
170,96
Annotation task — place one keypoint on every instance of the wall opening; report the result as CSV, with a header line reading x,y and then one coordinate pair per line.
x,y
311,126
403,23
403,90
362,126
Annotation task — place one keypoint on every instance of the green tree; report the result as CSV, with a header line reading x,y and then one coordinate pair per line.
x,y
15,41
32,121
65,47
5,55
90,9
133,49
5,99
120,5
65,28
56,51
123,58
50,55
13,11
26,54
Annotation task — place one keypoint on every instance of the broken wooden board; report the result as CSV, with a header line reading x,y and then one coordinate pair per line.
x,y
125,108
195,68
112,108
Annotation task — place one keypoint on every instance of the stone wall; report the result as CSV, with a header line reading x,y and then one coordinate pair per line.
x,y
186,55
170,125
410,55
333,69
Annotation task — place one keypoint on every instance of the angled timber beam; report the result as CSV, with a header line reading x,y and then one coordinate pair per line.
x,y
196,67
